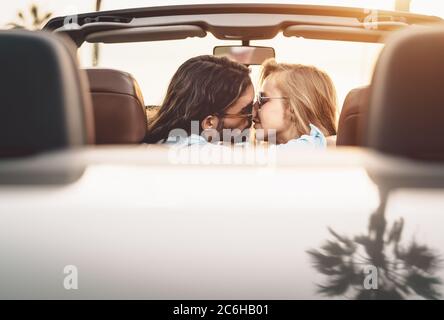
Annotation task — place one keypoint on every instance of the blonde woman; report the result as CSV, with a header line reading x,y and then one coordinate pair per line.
x,y
295,106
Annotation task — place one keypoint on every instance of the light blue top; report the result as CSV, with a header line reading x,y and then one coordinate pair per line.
x,y
314,140
193,139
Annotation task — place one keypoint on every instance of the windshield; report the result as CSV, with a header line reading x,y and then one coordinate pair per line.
x,y
349,64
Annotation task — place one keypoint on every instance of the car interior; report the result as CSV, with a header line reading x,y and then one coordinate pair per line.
x,y
119,110
114,105
264,22
114,112
349,130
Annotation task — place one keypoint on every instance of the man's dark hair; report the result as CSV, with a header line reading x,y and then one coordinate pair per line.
x,y
202,86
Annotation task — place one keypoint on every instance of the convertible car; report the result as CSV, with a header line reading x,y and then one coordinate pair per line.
x,y
88,211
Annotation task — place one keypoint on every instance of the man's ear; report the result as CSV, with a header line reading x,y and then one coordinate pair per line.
x,y
210,122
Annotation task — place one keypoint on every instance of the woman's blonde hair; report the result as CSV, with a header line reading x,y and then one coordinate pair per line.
x,y
310,94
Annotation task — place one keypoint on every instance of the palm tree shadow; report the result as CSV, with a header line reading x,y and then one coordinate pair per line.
x,y
403,271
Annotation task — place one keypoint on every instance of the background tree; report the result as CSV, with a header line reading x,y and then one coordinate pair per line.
x,y
96,47
32,20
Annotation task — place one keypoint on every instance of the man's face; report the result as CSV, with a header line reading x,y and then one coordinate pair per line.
x,y
237,118
240,108
231,126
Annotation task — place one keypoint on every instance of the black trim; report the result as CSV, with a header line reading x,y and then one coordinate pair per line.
x,y
358,13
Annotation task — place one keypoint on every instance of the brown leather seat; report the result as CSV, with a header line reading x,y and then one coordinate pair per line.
x,y
119,110
44,99
406,110
349,127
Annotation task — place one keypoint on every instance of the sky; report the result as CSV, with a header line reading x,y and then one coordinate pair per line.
x,y
349,64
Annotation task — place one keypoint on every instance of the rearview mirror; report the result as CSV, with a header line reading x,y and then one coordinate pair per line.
x,y
245,54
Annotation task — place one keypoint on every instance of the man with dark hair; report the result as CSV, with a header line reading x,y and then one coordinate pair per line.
x,y
207,97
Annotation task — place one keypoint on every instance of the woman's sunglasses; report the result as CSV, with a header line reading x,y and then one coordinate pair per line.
x,y
246,112
261,99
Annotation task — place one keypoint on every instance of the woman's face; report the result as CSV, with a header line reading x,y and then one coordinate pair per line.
x,y
272,119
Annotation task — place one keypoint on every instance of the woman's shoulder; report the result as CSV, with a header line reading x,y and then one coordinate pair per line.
x,y
315,139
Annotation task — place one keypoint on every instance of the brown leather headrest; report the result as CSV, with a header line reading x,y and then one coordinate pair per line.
x,y
119,110
406,114
44,99
349,127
